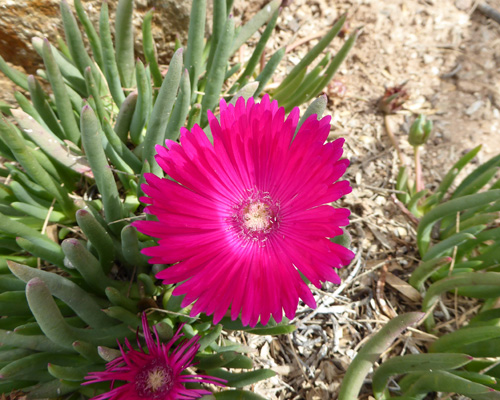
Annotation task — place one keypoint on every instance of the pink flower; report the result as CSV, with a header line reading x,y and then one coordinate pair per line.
x,y
245,214
155,375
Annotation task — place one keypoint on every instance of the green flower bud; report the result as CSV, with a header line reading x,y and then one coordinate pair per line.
x,y
420,131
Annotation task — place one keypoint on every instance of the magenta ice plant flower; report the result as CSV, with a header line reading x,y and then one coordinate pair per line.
x,y
243,215
157,374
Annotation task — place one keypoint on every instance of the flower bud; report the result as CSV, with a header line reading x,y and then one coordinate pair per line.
x,y
420,131
393,99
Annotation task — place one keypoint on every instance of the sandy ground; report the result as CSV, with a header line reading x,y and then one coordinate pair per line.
x,y
448,55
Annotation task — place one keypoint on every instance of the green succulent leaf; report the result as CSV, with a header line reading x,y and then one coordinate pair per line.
x,y
414,362
317,107
162,108
444,381
194,51
238,395
124,39
62,99
269,69
216,360
215,76
55,148
52,389
181,109
450,208
98,236
125,115
246,92
219,16
24,156
142,109
39,99
110,67
242,379
461,280
371,351
31,342
301,67
14,75
254,24
88,266
92,143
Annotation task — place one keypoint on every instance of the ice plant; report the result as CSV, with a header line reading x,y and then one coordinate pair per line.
x,y
74,150
244,215
157,374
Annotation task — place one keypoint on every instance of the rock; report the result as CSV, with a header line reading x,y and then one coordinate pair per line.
x,y
468,86
474,107
463,4
20,20
171,20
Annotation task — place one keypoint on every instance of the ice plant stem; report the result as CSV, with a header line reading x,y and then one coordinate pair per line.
x,y
419,180
393,140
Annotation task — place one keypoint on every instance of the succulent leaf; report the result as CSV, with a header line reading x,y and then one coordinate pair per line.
x,y
124,39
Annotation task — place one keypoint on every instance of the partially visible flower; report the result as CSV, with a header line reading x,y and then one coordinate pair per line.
x,y
156,374
337,88
247,213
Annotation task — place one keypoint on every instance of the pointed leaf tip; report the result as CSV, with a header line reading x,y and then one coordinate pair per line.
x,y
81,212
35,282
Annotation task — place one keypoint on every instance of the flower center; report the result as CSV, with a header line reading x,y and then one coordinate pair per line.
x,y
154,380
255,217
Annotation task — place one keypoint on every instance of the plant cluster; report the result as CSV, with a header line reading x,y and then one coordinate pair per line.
x,y
458,238
73,279
73,276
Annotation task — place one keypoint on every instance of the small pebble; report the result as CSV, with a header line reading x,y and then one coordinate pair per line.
x,y
474,107
463,4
